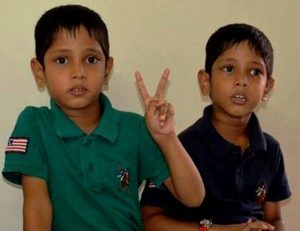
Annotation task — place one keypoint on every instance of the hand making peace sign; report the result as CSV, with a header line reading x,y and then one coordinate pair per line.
x,y
159,114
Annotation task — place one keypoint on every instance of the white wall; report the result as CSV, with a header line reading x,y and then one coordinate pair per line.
x,y
148,36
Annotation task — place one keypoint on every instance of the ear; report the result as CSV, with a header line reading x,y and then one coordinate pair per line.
x,y
38,73
204,82
269,86
108,69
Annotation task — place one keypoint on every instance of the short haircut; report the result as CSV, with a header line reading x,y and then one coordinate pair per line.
x,y
233,34
69,18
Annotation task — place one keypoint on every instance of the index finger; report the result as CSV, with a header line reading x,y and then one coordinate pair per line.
x,y
162,84
141,86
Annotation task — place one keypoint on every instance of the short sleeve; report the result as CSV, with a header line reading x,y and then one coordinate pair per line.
x,y
153,195
24,153
162,197
279,188
152,165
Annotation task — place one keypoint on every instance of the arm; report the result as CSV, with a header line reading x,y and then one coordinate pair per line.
x,y
185,182
184,176
37,210
272,211
156,220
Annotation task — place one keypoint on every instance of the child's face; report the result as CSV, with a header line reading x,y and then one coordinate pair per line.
x,y
238,81
75,70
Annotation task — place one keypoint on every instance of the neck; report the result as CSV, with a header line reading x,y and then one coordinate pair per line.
x,y
87,119
232,129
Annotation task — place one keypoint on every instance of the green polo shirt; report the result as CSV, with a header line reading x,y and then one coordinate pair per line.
x,y
92,179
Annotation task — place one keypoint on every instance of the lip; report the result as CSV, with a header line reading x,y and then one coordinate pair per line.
x,y
78,91
239,99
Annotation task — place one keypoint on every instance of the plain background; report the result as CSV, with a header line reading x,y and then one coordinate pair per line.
x,y
149,36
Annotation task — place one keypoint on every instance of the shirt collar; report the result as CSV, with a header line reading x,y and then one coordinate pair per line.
x,y
218,144
107,126
256,135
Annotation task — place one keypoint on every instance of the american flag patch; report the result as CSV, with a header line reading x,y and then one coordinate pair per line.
x,y
17,144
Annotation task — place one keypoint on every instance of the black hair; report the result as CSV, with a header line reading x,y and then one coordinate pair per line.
x,y
233,34
69,18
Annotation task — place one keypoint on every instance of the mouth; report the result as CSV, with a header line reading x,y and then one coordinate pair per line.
x,y
78,91
239,99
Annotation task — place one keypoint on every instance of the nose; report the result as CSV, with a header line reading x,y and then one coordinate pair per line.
x,y
77,72
241,81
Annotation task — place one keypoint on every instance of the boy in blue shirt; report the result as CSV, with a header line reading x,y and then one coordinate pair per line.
x,y
81,162
241,166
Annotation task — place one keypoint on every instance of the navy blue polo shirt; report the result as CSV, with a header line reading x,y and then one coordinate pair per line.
x,y
236,184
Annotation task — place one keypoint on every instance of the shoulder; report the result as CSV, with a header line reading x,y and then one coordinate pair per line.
x,y
134,125
270,153
116,114
130,116
35,109
31,112
270,139
259,139
272,144
196,133
129,120
192,129
201,127
30,121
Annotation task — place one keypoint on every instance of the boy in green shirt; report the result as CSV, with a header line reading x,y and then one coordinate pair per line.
x,y
81,162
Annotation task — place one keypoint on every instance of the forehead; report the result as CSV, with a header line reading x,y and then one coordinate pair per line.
x,y
73,33
241,51
78,36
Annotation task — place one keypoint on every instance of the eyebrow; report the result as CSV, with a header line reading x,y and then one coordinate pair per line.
x,y
94,50
63,50
259,63
236,60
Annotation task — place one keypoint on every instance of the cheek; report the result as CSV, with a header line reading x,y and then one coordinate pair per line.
x,y
221,86
259,89
98,71
56,88
95,82
56,81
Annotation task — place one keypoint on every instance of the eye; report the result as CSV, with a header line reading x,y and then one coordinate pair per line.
x,y
227,69
61,60
256,72
92,60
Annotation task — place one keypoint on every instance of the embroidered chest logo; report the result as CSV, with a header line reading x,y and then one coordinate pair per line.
x,y
123,175
261,192
17,145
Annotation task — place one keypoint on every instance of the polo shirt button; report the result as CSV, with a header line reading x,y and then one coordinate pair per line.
x,y
87,141
91,167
